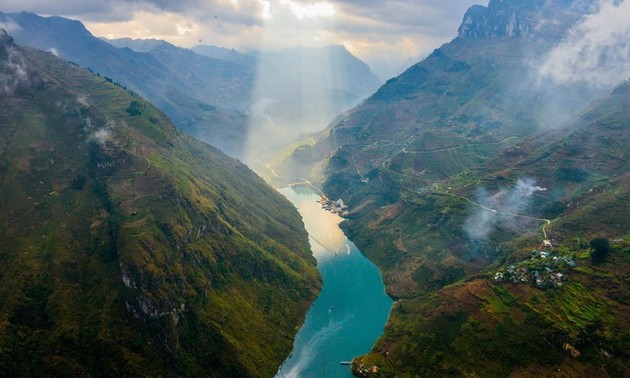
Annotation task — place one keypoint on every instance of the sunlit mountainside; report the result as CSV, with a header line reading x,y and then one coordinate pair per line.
x,y
459,169
538,309
129,248
234,102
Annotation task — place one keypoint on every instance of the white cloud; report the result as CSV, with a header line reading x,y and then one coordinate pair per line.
x,y
100,136
13,69
10,26
266,9
312,10
597,50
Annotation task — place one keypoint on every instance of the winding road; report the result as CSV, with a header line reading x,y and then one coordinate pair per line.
x,y
547,221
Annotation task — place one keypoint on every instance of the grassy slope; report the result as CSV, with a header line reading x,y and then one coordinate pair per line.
x,y
130,249
408,157
480,326
483,328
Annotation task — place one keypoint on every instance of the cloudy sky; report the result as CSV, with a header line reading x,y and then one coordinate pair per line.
x,y
384,33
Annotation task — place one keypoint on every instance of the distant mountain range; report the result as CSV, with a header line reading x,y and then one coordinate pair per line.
x,y
230,100
129,248
451,171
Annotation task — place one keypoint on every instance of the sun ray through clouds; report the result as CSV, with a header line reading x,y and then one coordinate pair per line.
x,y
300,78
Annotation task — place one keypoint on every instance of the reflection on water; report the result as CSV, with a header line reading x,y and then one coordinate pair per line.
x,y
349,314
323,226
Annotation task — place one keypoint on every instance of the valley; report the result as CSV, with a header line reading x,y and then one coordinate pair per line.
x,y
247,104
454,172
468,217
349,314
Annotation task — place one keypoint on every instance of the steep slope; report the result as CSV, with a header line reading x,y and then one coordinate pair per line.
x,y
129,249
462,105
458,106
540,310
448,170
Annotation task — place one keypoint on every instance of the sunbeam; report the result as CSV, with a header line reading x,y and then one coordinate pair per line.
x,y
295,89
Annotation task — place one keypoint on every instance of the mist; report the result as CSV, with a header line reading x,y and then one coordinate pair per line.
x,y
504,208
13,69
100,136
297,92
596,51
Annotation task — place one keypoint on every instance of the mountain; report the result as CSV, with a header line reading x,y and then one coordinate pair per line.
x,y
204,97
246,59
128,248
307,64
301,87
459,169
138,45
233,105
539,310
477,90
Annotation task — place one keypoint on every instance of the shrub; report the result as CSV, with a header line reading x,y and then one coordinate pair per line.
x,y
135,108
601,249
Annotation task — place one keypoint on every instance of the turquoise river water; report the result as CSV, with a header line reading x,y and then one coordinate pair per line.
x,y
348,316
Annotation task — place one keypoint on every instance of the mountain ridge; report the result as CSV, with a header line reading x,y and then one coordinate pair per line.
x,y
216,100
129,248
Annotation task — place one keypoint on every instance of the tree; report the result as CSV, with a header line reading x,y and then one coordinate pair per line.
x,y
135,108
601,249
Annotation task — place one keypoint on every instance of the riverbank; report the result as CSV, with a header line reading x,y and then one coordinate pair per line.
x,y
350,313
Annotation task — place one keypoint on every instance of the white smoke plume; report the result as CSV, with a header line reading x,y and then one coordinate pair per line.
x,y
83,100
504,208
101,136
596,51
13,70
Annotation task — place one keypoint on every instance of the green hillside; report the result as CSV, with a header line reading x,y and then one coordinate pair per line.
x,y
129,249
452,111
460,169
538,310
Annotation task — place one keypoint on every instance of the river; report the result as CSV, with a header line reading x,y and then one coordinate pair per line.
x,y
348,316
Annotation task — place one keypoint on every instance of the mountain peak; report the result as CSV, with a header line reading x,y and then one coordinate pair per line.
x,y
521,18
499,19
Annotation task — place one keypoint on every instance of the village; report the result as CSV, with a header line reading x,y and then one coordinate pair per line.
x,y
335,207
542,270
